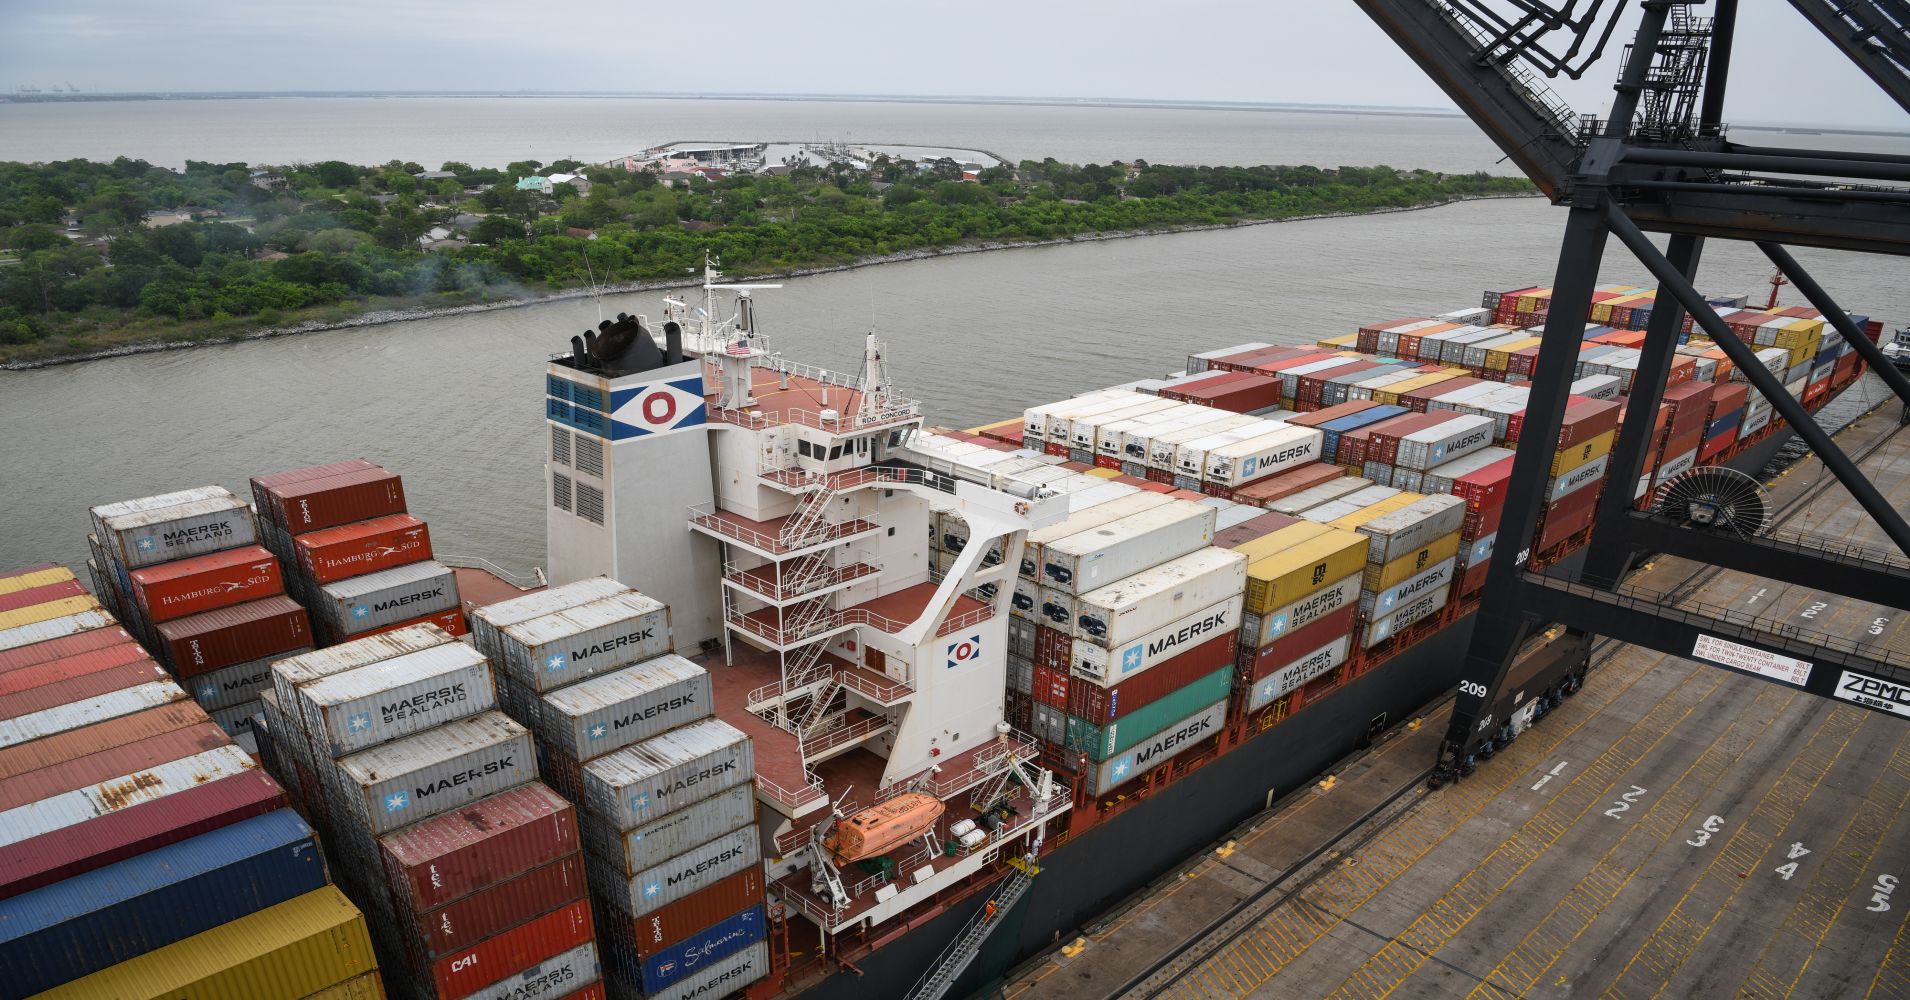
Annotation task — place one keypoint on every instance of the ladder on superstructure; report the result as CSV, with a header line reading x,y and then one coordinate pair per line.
x,y
962,952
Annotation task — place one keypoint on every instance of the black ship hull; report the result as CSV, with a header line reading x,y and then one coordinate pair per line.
x,y
1118,856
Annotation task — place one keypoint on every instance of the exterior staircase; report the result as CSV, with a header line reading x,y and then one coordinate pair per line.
x,y
960,954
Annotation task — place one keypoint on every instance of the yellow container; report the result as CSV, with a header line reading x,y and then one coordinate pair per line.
x,y
1800,354
38,578
1341,343
1571,458
1529,302
1100,473
1379,576
1280,539
1011,424
1601,311
48,611
1352,522
365,987
1499,358
295,949
1397,389
1283,578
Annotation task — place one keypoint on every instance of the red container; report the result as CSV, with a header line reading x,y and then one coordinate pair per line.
x,y
206,583
1689,404
263,486
1076,466
1244,393
1585,418
110,763
451,621
1726,397
1484,489
1713,447
1677,446
1187,495
1570,515
1480,524
52,672
73,744
1471,579
1051,685
96,843
1523,361
1418,399
1331,413
1261,492
1055,448
1312,388
659,929
463,923
1053,648
64,646
1246,531
40,595
463,972
1102,705
1202,386
80,688
1160,477
446,857
1107,461
238,634
364,547
1292,646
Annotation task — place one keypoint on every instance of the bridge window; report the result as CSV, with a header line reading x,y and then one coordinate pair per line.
x,y
804,449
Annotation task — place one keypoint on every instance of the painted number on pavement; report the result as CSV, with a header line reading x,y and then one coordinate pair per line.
x,y
1702,835
1880,894
1624,802
1785,871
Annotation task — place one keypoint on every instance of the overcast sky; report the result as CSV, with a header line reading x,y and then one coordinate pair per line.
x,y
1302,51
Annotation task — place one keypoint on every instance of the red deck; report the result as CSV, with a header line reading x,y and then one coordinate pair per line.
x,y
767,535
805,397
778,758
893,612
479,588
767,579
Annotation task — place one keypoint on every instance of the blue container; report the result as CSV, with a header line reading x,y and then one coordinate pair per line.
x,y
77,927
703,948
1592,332
1332,429
1724,423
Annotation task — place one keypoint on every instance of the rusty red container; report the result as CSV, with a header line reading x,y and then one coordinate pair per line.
x,y
1261,492
1417,399
1053,648
238,634
1470,580
1302,641
72,667
595,991
451,621
1250,392
362,547
262,486
113,762
314,504
96,843
462,972
40,595
64,646
1481,523
1384,444
1051,685
1484,489
1247,531
1102,705
73,744
206,583
446,857
1573,513
1203,386
463,923
65,692
674,922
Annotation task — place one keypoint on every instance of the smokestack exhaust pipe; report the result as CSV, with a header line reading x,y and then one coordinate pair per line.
x,y
672,343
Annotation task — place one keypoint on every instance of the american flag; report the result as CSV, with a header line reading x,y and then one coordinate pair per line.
x,y
738,348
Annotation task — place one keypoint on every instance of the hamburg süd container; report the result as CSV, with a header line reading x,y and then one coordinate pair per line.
x,y
293,949
566,646
613,710
1186,734
458,853
164,534
363,603
362,547
383,701
1100,556
429,773
631,851
1099,664
250,631
698,868
639,783
1128,609
206,583
341,498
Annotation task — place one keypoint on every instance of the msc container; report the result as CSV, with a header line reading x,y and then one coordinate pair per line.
x,y
428,773
1418,608
595,716
566,646
1305,567
249,631
463,923
636,784
1190,732
1102,742
1259,630
1282,680
562,977
228,686
384,701
1413,526
71,644
202,806
1109,664
631,851
462,973
1098,704
291,672
1130,608
1100,556
488,621
719,940
112,914
363,547
363,603
163,534
55,628
111,705
698,868
206,583
458,853
103,736
312,504
1269,454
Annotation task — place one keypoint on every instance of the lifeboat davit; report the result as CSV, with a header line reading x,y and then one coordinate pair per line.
x,y
883,827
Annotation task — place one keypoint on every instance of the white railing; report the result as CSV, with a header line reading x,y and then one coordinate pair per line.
x,y
842,735
882,691
810,790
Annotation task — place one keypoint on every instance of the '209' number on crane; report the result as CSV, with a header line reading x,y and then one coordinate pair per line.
x,y
1473,688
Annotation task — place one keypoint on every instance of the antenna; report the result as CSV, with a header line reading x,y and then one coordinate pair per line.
x,y
595,290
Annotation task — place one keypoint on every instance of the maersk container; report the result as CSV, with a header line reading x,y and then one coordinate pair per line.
x,y
562,977
1291,676
1267,455
463,973
1163,447
1598,387
1383,603
1111,437
1061,424
720,940
112,914
488,621
205,583
164,534
1035,419
1296,504
1414,610
35,614
698,868
1190,457
1587,475
458,853
639,783
393,595
1190,732
609,711
290,673
1413,526
1102,742
648,935
112,705
1476,551
1107,665
1459,436
1098,705
293,949
634,850
54,753
64,809
1095,558
243,632
1137,443
234,685
721,978
429,773
1084,432
1131,608
384,701
567,646
1258,630
1084,519
463,923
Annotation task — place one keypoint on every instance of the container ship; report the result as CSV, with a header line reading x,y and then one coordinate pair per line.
x,y
819,699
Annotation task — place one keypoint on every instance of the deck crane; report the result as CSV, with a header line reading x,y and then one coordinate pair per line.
x,y
1662,161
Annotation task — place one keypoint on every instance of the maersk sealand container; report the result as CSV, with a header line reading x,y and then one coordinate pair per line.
x,y
76,927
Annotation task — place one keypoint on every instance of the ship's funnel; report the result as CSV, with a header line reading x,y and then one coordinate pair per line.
x,y
590,347
672,343
578,355
627,348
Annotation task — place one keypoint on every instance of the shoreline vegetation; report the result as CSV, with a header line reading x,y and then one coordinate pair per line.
x,y
107,260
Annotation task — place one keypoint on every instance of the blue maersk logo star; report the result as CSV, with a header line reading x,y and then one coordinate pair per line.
x,y
1278,626
360,610
1266,690
1388,602
359,723
396,801
1131,658
1121,768
650,891
640,801
598,731
555,663
145,545
208,692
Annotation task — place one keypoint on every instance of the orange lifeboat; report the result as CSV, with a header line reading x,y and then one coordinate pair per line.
x,y
883,827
